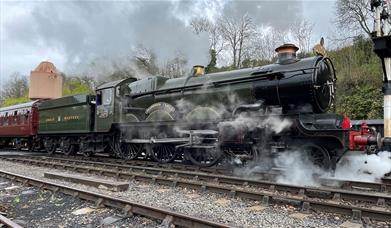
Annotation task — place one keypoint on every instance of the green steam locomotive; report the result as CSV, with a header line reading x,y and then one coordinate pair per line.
x,y
240,115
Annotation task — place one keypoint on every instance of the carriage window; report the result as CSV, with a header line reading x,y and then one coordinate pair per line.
x,y
26,115
6,119
15,117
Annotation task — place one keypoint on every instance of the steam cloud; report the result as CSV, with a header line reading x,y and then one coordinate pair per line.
x,y
356,167
296,167
73,34
364,167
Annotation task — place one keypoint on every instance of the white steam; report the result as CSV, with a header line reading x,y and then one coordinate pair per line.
x,y
276,124
271,123
298,170
364,167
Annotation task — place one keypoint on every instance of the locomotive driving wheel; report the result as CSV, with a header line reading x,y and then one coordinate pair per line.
x,y
130,151
203,156
67,147
317,155
163,153
50,145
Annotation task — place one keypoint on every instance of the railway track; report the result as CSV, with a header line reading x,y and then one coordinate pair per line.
x,y
208,175
148,163
128,208
144,163
225,170
356,203
8,223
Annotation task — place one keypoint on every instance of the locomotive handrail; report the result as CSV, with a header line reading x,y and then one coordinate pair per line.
x,y
283,71
301,124
134,108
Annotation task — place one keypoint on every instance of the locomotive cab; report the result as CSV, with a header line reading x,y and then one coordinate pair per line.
x,y
110,103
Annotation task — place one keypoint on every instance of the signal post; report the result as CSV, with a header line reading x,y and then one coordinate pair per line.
x,y
382,47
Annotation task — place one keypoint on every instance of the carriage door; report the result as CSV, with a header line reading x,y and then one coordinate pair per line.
x,y
104,109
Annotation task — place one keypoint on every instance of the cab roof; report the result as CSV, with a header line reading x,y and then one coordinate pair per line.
x,y
115,83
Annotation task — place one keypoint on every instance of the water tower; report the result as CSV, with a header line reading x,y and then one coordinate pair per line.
x,y
45,82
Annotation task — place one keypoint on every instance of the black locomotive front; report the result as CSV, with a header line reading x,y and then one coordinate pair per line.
x,y
305,85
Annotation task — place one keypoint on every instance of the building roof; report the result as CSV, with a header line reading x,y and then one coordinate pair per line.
x,y
46,67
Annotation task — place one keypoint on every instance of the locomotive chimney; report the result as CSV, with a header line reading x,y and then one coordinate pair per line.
x,y
198,70
286,53
45,82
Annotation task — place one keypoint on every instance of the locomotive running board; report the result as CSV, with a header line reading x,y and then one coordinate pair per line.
x,y
191,133
151,141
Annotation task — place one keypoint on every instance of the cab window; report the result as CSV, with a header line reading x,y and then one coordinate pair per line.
x,y
99,98
107,96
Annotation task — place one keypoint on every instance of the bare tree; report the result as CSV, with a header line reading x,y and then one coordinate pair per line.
x,y
264,42
237,34
17,86
354,15
145,59
302,31
175,67
201,25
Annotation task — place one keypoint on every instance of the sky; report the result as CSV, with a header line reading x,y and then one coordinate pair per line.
x,y
72,34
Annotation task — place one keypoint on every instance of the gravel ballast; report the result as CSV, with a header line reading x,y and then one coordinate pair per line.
x,y
216,207
30,207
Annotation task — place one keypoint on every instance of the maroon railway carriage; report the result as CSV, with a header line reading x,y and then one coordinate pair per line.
x,y
19,125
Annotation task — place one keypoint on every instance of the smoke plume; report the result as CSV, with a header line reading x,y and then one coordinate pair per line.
x,y
73,34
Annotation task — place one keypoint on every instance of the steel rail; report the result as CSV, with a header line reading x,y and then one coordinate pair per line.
x,y
228,179
135,162
129,208
347,184
236,181
145,163
8,222
330,202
